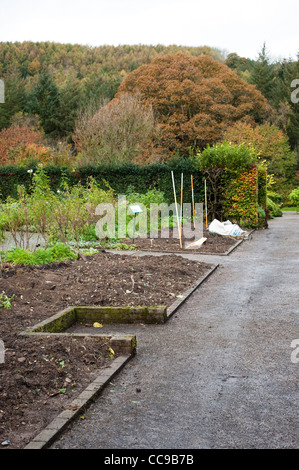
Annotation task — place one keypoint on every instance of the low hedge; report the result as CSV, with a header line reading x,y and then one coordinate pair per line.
x,y
119,177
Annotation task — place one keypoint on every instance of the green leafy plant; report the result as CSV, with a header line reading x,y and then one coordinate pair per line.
x,y
232,178
294,198
56,253
5,301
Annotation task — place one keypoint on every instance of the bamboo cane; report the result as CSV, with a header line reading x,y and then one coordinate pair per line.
x,y
176,206
206,205
192,193
181,226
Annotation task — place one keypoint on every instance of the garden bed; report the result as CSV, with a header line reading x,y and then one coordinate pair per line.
x,y
41,375
215,244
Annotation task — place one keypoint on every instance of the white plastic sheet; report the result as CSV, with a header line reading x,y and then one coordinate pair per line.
x,y
225,228
198,243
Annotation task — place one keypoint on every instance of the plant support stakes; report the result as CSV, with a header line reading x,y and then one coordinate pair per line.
x,y
181,214
206,205
176,208
192,193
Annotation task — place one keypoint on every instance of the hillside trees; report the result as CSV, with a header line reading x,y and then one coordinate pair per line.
x,y
14,139
241,65
263,76
43,100
287,71
195,95
271,145
195,99
15,97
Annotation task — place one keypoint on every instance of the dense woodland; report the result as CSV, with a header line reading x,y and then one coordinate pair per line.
x,y
64,100
71,76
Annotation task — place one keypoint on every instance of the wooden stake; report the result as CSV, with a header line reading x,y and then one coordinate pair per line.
x,y
181,227
192,192
176,207
206,205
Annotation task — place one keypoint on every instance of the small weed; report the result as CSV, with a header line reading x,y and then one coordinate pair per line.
x,y
5,302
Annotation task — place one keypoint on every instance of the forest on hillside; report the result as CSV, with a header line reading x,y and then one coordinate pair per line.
x,y
74,76
59,96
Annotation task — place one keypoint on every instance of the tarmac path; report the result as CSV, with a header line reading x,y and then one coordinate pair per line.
x,y
220,373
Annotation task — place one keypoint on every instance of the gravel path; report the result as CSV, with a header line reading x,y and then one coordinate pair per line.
x,y
219,373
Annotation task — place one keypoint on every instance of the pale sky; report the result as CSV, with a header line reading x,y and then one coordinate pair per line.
x,y
230,25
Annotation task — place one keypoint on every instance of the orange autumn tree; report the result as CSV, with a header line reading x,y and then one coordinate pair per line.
x,y
14,140
195,99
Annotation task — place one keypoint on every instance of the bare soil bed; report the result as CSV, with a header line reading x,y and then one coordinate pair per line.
x,y
215,244
40,376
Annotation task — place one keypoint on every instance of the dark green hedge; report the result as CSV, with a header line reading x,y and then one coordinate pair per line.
x,y
119,177
10,178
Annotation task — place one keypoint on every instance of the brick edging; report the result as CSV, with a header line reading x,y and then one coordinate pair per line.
x,y
78,406
177,304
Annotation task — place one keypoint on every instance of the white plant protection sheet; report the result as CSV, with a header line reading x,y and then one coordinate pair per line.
x,y
225,228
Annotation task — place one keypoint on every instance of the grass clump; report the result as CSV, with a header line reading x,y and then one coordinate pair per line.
x,y
56,253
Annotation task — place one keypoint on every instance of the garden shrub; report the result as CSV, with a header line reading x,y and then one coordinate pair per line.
x,y
62,216
273,208
275,197
241,197
294,198
233,175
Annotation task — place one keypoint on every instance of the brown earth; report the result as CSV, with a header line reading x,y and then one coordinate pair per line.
x,y
40,376
215,244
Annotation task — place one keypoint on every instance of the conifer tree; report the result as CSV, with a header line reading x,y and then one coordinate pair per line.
x,y
14,97
263,74
44,100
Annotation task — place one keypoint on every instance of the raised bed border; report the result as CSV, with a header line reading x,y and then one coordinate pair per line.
x,y
60,322
194,252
